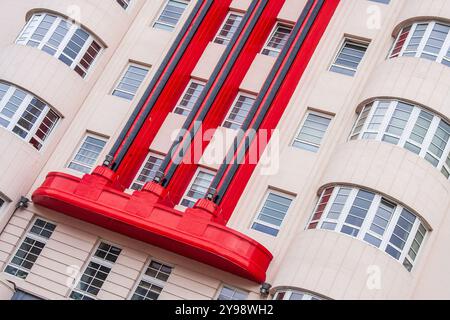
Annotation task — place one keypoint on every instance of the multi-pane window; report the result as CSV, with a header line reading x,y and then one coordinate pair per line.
x,y
372,218
25,115
277,40
272,213
312,132
148,171
231,293
130,81
171,14
239,111
96,272
229,28
198,187
428,40
190,96
62,39
124,3
87,154
295,295
349,57
408,126
152,281
30,248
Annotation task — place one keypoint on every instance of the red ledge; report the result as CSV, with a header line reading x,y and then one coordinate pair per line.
x,y
195,234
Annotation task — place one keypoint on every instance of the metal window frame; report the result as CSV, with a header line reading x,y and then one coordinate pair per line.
x,y
305,118
354,41
224,39
139,173
188,86
77,149
124,72
278,24
197,172
171,27
233,105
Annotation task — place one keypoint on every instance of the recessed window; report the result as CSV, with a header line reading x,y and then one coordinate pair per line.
x,y
189,98
228,28
428,40
312,132
171,14
152,281
30,248
62,39
25,115
372,218
382,1
96,272
272,213
277,40
198,187
148,171
130,81
231,293
349,57
87,154
295,295
408,126
22,295
124,3
239,111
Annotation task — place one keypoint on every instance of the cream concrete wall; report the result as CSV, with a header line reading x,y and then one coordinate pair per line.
x,y
6,289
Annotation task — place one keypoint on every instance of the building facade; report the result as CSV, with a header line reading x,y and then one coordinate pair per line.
x,y
120,175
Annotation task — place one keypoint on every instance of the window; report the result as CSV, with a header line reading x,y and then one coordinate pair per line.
x,y
130,82
96,272
239,112
88,153
408,126
349,57
229,28
198,188
295,295
272,213
22,295
148,171
152,281
230,293
25,115
3,203
171,14
372,218
277,40
30,248
312,132
124,3
189,98
428,40
62,39
382,1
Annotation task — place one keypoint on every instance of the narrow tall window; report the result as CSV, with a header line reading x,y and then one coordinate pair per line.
x,y
152,281
239,112
349,57
171,14
272,213
62,39
124,3
96,272
198,187
130,81
25,115
229,28
190,96
88,152
277,40
30,248
148,171
312,132
231,293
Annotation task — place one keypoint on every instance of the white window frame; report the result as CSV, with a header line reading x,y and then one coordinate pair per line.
x,y
77,149
261,206
343,42
153,281
224,39
316,113
172,27
178,105
409,127
185,196
307,296
420,49
23,40
272,33
13,122
130,64
150,154
240,94
235,290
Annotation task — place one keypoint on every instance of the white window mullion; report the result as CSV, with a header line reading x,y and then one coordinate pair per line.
x,y
31,31
370,215
50,33
391,226
426,36
386,120
409,126
324,217
443,158
408,39
26,101
37,123
346,210
409,241
4,102
430,136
